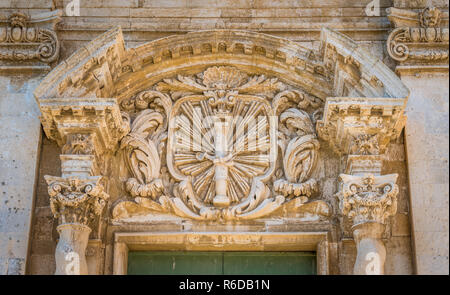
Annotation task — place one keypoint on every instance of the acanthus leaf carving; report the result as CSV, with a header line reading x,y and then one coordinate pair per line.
x,y
300,154
368,198
76,199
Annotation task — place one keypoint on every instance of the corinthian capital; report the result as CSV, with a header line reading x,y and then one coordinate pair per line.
x,y
76,200
368,198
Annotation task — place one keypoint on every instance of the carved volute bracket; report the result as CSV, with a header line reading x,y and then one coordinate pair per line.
x,y
29,42
88,132
420,40
360,130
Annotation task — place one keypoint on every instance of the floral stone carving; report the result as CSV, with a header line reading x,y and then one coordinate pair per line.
x,y
368,198
76,200
220,139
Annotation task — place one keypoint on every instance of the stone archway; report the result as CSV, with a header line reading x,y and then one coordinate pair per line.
x,y
106,102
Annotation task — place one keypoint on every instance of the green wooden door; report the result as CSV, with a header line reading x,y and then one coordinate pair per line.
x,y
215,263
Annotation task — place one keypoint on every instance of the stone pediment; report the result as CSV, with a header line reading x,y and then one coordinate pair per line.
x,y
215,125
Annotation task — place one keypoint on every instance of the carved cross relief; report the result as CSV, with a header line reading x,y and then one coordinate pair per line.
x,y
236,146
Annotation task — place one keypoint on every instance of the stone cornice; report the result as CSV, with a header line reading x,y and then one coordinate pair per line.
x,y
105,68
420,40
29,42
83,125
361,126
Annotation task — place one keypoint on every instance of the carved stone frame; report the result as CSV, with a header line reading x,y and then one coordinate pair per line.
x,y
220,241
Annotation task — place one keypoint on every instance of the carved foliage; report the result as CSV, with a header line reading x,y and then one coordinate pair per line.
x,y
221,148
142,145
21,40
368,198
300,154
76,200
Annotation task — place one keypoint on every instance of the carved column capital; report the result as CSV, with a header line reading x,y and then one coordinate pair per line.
x,y
420,40
77,203
75,199
368,198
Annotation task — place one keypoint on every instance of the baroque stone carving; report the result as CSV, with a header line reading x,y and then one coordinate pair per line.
x,y
419,37
22,40
76,200
362,126
78,203
221,145
368,198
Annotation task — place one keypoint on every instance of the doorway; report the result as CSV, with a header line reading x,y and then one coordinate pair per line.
x,y
218,263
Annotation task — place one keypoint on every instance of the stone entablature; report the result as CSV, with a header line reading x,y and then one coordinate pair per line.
x,y
420,39
29,42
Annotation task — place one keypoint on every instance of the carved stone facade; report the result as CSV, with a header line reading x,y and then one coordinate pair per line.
x,y
221,139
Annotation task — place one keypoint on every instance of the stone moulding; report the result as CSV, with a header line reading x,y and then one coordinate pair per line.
x,y
83,125
420,39
29,41
104,68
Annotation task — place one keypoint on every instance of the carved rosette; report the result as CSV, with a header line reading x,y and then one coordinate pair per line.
x,y
76,200
22,40
419,37
368,198
217,133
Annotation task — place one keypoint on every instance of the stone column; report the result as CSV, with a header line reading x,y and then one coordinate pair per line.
x,y
368,200
76,201
360,130
419,43
88,131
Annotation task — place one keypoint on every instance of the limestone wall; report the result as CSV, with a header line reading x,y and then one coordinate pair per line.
x,y
20,131
24,205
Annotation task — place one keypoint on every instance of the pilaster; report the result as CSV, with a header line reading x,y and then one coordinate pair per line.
x,y
360,129
88,131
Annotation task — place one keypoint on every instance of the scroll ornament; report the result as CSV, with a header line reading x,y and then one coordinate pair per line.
x,y
368,198
222,174
76,200
22,41
427,41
